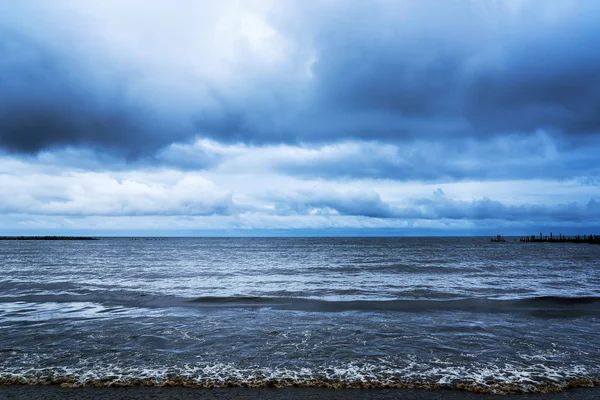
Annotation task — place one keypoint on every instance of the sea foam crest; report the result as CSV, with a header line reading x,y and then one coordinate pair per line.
x,y
479,377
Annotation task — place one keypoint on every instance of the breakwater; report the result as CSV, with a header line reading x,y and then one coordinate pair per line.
x,y
47,238
591,238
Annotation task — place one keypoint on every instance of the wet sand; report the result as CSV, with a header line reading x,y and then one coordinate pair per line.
x,y
55,392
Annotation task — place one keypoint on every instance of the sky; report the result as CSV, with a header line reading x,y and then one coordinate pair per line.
x,y
283,117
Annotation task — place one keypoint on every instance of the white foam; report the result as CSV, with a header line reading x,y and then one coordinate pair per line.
x,y
384,371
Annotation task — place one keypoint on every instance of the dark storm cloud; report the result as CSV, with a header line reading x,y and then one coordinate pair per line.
x,y
357,204
536,156
464,77
49,99
551,85
467,74
442,207
436,207
383,71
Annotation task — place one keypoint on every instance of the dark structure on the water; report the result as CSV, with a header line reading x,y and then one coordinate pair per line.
x,y
47,238
591,239
498,238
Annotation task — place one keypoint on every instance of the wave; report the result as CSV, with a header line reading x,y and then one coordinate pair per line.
x,y
548,303
494,381
541,305
438,268
561,300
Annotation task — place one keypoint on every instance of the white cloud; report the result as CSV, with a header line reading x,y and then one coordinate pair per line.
x,y
40,193
112,193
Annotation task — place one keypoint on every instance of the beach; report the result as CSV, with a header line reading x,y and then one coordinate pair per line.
x,y
178,393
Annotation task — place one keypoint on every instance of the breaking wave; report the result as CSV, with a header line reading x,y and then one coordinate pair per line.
x,y
544,305
484,378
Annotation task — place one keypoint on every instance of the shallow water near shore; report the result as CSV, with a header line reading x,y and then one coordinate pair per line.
x,y
426,313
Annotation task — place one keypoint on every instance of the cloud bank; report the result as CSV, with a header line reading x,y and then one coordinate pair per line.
x,y
287,114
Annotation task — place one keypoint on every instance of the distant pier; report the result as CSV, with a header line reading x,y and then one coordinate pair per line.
x,y
591,239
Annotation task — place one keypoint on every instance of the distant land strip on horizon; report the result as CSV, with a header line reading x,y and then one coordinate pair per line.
x,y
47,238
590,239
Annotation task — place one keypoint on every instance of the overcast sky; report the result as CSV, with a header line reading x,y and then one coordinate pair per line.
x,y
299,117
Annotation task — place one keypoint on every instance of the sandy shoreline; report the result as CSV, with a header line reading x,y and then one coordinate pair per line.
x,y
55,392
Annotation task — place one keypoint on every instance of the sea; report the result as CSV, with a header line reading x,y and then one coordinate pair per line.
x,y
430,313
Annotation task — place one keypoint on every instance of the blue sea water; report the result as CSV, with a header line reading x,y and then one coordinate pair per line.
x,y
378,312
